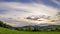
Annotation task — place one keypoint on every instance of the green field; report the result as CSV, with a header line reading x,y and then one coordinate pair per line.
x,y
8,31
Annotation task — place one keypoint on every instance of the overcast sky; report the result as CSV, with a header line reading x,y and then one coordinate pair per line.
x,y
11,11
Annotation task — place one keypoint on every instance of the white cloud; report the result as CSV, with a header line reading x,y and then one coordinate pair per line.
x,y
33,8
19,10
56,1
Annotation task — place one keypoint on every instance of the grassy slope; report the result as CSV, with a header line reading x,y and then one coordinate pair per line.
x,y
7,31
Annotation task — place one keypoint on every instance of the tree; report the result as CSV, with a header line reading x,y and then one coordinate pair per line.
x,y
30,28
5,25
36,28
1,24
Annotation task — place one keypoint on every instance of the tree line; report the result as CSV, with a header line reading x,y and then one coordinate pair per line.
x,y
4,25
39,28
32,28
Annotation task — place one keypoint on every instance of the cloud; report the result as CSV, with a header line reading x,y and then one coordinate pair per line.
x,y
17,11
30,8
56,1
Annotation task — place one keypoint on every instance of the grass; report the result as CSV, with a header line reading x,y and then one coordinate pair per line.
x,y
8,31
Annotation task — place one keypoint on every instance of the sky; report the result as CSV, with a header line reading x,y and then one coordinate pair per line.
x,y
13,12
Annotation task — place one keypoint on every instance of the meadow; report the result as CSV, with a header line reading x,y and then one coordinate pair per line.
x,y
8,31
